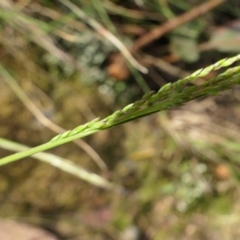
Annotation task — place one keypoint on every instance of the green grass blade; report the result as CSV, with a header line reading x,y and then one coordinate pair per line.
x,y
169,96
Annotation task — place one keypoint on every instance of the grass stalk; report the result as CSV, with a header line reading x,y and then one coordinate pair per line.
x,y
169,96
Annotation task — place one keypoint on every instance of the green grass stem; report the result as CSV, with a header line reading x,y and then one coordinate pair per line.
x,y
169,96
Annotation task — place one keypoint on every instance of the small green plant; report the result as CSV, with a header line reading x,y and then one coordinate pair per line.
x,y
169,96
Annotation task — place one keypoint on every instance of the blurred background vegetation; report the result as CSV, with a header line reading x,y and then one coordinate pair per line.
x,y
61,66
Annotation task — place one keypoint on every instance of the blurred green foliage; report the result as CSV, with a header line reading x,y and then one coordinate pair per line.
x,y
180,168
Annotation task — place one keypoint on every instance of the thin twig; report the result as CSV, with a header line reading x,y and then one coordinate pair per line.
x,y
174,23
